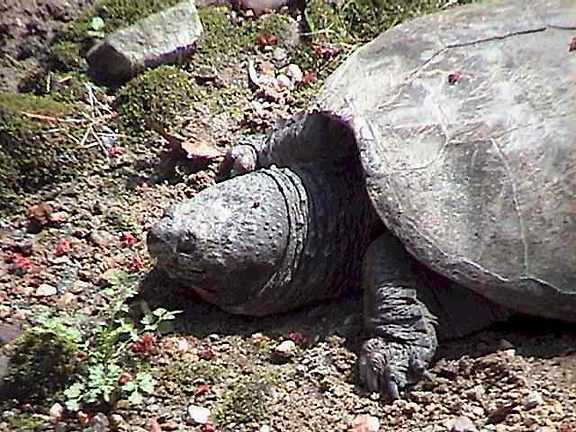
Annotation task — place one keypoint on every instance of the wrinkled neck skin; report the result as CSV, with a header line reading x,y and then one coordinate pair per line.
x,y
330,223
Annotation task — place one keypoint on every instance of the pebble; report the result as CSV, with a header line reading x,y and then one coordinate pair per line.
x,y
265,428
294,72
365,423
100,423
198,414
118,423
46,290
279,54
284,82
533,400
56,412
67,299
285,349
462,424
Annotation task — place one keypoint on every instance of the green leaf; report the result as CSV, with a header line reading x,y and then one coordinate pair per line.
x,y
72,405
97,23
145,382
74,391
135,398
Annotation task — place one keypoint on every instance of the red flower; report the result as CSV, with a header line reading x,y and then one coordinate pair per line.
x,y
20,264
296,337
137,263
266,39
309,77
114,152
325,52
208,427
124,378
62,247
207,353
145,345
127,239
201,390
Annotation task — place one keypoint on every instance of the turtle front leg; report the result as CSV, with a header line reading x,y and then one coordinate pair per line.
x,y
309,137
400,329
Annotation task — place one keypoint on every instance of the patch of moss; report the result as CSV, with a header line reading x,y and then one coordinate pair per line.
x,y
182,375
40,364
24,422
35,144
245,400
157,96
65,56
225,42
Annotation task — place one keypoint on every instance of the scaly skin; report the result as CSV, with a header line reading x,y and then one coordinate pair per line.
x,y
269,241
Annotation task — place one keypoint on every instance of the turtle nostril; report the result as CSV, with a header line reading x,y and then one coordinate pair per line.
x,y
169,212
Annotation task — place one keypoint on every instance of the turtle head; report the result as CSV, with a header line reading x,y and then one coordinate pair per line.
x,y
226,242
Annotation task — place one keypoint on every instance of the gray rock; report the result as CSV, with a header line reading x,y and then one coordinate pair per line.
x,y
160,38
99,423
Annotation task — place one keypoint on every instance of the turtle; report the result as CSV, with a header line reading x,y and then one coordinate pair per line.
x,y
435,170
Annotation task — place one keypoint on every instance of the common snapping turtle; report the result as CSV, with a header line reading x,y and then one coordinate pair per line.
x,y
437,170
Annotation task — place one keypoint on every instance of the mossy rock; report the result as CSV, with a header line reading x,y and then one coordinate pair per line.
x,y
245,400
155,98
66,53
40,365
35,145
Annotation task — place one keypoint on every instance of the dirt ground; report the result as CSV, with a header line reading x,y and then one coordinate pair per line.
x,y
26,27
516,376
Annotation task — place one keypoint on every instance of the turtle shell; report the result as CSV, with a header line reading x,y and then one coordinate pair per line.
x,y
466,125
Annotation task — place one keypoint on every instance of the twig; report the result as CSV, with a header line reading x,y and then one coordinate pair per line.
x,y
50,118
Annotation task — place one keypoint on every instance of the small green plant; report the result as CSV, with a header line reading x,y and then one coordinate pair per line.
x,y
93,362
115,349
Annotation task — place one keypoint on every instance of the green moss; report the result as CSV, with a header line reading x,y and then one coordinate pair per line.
x,y
25,103
24,422
35,144
40,364
226,43
65,56
245,400
157,96
181,375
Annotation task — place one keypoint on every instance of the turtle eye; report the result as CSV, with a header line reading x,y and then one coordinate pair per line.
x,y
187,244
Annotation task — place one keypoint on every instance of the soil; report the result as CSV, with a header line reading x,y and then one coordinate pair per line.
x,y
517,376
26,28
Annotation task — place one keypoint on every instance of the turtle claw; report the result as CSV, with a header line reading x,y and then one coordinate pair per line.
x,y
388,367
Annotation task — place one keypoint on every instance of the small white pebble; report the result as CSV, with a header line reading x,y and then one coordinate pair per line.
x,y
284,82
285,349
56,412
294,72
366,423
198,414
46,290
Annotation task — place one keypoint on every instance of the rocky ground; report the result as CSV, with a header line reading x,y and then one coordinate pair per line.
x,y
158,140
